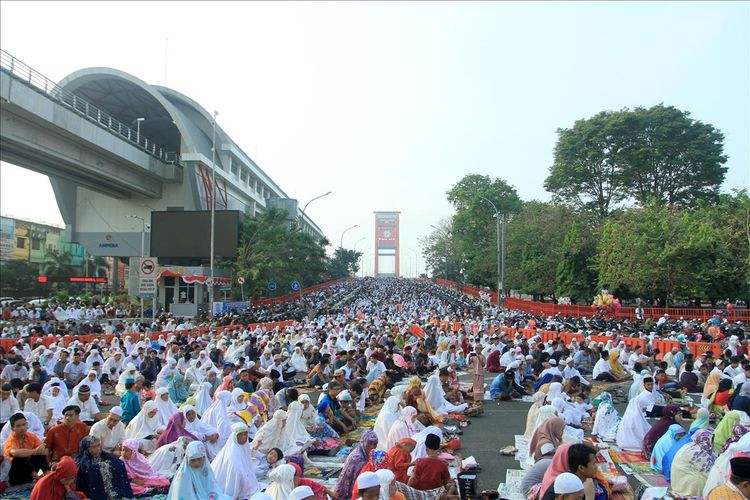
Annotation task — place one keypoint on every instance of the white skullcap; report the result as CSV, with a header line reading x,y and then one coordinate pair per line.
x,y
367,480
567,483
529,357
301,492
116,410
553,362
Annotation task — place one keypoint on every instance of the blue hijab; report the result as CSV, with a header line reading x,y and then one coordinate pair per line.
x,y
103,476
664,445
668,458
177,390
192,483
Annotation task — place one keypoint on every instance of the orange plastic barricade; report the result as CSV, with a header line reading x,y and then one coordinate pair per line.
x,y
698,348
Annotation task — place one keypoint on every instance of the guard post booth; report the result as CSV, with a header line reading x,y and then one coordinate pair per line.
x,y
184,290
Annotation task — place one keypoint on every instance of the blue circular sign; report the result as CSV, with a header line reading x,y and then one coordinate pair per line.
x,y
272,285
295,285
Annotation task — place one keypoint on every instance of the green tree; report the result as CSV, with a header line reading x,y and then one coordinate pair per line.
x,y
17,278
670,158
344,264
473,228
95,266
657,252
533,243
576,272
270,251
585,172
442,253
57,264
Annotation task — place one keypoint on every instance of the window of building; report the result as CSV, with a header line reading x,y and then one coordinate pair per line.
x,y
36,243
20,243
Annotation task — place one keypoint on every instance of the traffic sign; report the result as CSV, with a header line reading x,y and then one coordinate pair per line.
x,y
147,277
240,280
272,285
209,281
295,285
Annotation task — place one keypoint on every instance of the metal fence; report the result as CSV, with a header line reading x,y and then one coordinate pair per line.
x,y
32,78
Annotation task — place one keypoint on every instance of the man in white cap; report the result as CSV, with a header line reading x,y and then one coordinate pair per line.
x,y
568,487
111,431
368,485
301,493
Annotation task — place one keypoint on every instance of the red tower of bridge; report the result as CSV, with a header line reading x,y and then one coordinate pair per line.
x,y
387,251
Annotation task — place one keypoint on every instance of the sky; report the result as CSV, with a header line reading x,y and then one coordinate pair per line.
x,y
389,104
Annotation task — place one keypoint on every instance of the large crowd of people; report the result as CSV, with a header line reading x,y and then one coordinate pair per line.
x,y
234,412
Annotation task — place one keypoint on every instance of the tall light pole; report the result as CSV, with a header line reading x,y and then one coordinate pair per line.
x,y
138,130
213,217
365,253
341,243
446,250
500,251
416,270
143,247
302,216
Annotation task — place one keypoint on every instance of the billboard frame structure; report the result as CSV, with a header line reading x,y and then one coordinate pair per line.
x,y
387,240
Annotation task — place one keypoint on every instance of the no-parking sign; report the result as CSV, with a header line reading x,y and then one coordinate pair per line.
x,y
147,277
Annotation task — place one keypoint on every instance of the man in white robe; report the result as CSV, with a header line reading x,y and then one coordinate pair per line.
x,y
634,426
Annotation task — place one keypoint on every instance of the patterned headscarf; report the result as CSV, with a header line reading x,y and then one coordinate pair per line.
x,y
702,453
738,431
378,460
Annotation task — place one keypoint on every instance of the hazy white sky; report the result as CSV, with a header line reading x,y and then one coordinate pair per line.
x,y
389,104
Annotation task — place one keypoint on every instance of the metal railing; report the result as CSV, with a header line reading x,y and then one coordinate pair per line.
x,y
32,78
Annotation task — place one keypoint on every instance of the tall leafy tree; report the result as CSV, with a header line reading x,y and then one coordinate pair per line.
x,y
345,263
671,158
576,270
585,172
270,251
442,253
474,226
534,248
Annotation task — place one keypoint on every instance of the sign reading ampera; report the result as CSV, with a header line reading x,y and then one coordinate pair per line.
x,y
147,277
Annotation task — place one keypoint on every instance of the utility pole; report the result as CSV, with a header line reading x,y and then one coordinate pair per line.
x,y
213,217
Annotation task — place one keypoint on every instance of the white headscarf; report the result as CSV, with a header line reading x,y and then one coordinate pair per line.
x,y
234,405
386,418
124,377
167,459
420,451
59,402
296,437
94,385
298,360
386,477
166,408
216,416
143,425
234,471
271,434
203,398
434,392
282,482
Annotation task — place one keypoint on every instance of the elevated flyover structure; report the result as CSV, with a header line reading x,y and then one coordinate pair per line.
x,y
115,146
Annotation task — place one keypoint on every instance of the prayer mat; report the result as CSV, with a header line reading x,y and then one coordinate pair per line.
x,y
627,457
511,488
321,473
640,468
652,479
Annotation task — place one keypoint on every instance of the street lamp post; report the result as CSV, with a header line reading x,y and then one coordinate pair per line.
x,y
138,130
416,270
500,250
302,216
341,243
143,247
213,217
